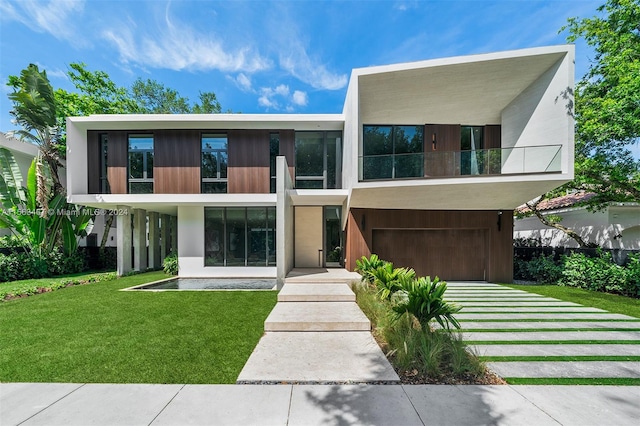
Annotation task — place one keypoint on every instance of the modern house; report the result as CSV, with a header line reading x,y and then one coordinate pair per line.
x,y
424,166
616,226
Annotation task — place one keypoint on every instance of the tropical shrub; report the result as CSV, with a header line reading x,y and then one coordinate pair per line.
x,y
544,269
387,279
598,273
425,301
170,264
365,266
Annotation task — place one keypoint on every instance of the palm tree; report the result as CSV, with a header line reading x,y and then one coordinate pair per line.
x,y
34,109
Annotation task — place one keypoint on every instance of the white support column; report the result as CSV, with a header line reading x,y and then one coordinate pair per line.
x,y
284,221
123,239
140,240
164,236
155,261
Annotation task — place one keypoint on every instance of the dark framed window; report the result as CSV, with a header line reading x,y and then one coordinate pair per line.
x,y
240,236
213,169
274,150
318,160
104,178
140,164
472,154
392,152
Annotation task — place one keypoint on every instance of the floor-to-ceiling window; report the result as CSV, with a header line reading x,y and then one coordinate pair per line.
x,y
104,178
141,164
392,152
333,238
318,160
274,151
214,163
240,236
472,158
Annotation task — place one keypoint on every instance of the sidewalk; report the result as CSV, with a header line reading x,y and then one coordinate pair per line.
x,y
110,404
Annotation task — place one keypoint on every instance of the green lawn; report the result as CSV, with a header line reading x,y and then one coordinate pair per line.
x,y
95,333
609,302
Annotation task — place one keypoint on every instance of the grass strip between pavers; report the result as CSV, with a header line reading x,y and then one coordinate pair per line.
x,y
550,320
622,381
552,342
561,358
551,330
464,311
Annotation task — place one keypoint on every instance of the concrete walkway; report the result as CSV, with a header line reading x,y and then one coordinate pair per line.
x,y
55,404
567,340
317,334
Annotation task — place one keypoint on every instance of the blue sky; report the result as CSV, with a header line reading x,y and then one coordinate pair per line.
x,y
293,56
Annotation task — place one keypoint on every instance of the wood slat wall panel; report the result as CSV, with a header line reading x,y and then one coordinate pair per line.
x,y
177,162
499,251
93,161
117,149
288,149
442,160
248,171
492,136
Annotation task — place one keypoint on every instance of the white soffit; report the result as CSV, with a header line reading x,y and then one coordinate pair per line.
x,y
467,90
318,197
496,195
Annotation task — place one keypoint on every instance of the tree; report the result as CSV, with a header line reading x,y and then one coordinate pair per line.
x,y
607,111
34,109
153,97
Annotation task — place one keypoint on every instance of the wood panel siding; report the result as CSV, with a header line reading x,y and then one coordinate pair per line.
x,y
498,253
492,136
288,149
440,159
93,162
117,159
248,171
176,168
454,254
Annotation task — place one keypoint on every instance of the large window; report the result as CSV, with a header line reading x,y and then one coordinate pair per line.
x,y
274,150
214,163
392,152
140,164
318,160
104,178
239,236
472,155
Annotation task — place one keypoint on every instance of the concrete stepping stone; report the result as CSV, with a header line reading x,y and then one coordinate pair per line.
x,y
556,350
516,336
316,293
559,309
317,357
562,369
537,315
497,303
531,325
317,316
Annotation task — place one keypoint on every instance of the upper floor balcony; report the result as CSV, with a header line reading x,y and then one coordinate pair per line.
x,y
455,164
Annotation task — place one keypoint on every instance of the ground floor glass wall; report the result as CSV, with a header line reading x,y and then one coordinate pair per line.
x,y
240,236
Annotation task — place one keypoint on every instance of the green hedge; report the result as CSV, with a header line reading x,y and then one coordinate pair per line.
x,y
22,266
598,273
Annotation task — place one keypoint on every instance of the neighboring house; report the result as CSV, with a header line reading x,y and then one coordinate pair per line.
x,y
24,153
424,167
617,226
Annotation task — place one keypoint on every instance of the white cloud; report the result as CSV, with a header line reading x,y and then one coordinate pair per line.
x,y
280,98
300,98
54,17
295,60
244,82
179,47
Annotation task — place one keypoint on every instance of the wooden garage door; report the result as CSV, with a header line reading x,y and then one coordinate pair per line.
x,y
451,254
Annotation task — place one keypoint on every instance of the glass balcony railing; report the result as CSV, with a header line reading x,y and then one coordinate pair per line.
x,y
444,164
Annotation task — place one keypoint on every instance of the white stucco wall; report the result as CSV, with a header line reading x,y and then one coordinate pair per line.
x,y
613,228
539,116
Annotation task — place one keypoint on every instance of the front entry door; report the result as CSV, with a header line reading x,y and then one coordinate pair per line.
x,y
308,238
